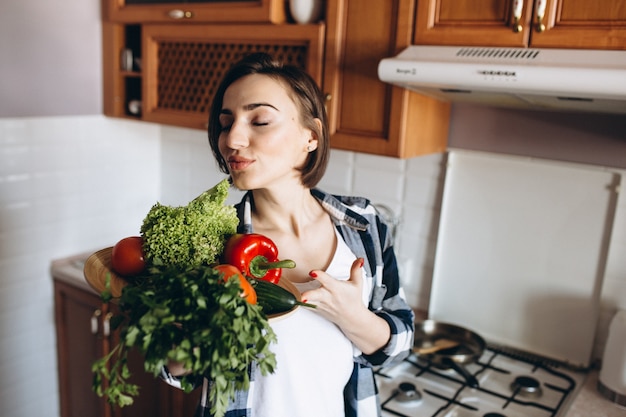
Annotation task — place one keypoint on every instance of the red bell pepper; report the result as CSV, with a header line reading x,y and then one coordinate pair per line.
x,y
256,256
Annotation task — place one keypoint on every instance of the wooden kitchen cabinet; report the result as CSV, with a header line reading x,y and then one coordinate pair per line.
x,y
83,336
365,114
522,23
79,319
142,11
183,65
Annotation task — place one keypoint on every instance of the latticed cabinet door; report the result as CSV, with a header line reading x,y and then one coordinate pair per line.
x,y
183,65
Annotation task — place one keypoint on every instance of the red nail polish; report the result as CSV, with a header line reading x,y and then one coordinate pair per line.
x,y
312,274
304,300
361,263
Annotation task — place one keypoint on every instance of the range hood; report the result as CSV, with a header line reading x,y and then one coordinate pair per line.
x,y
556,79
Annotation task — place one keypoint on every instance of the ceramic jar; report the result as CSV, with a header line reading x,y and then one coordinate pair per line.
x,y
306,11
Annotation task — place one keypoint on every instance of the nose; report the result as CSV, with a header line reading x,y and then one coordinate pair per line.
x,y
236,136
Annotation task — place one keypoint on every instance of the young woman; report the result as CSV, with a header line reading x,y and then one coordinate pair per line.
x,y
268,131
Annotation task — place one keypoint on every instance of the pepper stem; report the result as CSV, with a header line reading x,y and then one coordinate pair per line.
x,y
259,265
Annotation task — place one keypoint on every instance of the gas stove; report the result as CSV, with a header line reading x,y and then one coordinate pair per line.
x,y
521,247
510,385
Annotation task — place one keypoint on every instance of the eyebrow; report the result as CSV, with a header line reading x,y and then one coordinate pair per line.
x,y
249,107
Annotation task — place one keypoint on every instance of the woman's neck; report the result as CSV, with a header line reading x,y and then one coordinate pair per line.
x,y
289,211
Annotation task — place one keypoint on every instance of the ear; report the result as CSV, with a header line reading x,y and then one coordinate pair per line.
x,y
313,139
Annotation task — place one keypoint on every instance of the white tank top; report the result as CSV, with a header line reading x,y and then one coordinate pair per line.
x,y
314,359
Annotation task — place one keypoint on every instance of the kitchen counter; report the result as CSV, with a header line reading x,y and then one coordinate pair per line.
x,y
70,270
589,402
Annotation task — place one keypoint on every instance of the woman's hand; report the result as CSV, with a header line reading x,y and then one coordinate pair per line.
x,y
341,302
336,299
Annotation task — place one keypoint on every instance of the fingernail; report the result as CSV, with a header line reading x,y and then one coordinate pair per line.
x,y
361,263
312,274
304,300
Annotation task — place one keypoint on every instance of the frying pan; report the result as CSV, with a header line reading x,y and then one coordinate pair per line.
x,y
460,346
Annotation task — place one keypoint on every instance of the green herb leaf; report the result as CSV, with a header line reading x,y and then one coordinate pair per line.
x,y
193,317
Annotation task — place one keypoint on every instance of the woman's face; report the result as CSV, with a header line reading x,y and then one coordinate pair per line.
x,y
262,138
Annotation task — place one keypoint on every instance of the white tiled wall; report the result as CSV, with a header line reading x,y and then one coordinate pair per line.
x,y
74,184
67,185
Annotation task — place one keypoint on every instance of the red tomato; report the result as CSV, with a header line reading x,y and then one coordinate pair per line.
x,y
127,257
230,271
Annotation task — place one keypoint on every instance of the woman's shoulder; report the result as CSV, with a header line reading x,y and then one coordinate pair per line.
x,y
354,211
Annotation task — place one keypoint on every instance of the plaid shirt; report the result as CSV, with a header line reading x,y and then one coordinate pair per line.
x,y
368,237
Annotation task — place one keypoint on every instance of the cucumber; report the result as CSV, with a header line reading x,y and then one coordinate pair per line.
x,y
273,298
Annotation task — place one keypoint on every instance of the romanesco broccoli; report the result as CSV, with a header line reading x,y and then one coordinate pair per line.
x,y
191,235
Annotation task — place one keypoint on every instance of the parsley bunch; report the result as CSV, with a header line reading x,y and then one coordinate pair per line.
x,y
189,316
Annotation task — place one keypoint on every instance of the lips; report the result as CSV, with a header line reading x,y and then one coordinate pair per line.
x,y
237,163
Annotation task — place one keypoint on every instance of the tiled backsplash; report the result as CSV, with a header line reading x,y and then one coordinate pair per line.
x,y
67,185
74,184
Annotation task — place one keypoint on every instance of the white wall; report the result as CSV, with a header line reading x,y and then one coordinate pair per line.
x,y
51,59
67,185
63,180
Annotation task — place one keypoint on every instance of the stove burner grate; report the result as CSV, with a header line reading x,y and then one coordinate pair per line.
x,y
526,392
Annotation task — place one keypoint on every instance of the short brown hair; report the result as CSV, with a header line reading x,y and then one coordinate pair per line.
x,y
304,92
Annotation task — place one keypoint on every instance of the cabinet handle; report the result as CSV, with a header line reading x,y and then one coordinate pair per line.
x,y
518,6
106,325
540,11
180,14
94,321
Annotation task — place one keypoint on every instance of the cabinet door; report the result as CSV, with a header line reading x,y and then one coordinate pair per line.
x,y
473,22
183,65
84,336
520,23
367,115
78,316
143,11
582,24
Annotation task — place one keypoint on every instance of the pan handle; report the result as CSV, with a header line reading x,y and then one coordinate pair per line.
x,y
469,378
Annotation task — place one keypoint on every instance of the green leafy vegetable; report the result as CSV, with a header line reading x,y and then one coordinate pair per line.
x,y
180,309
190,235
191,316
